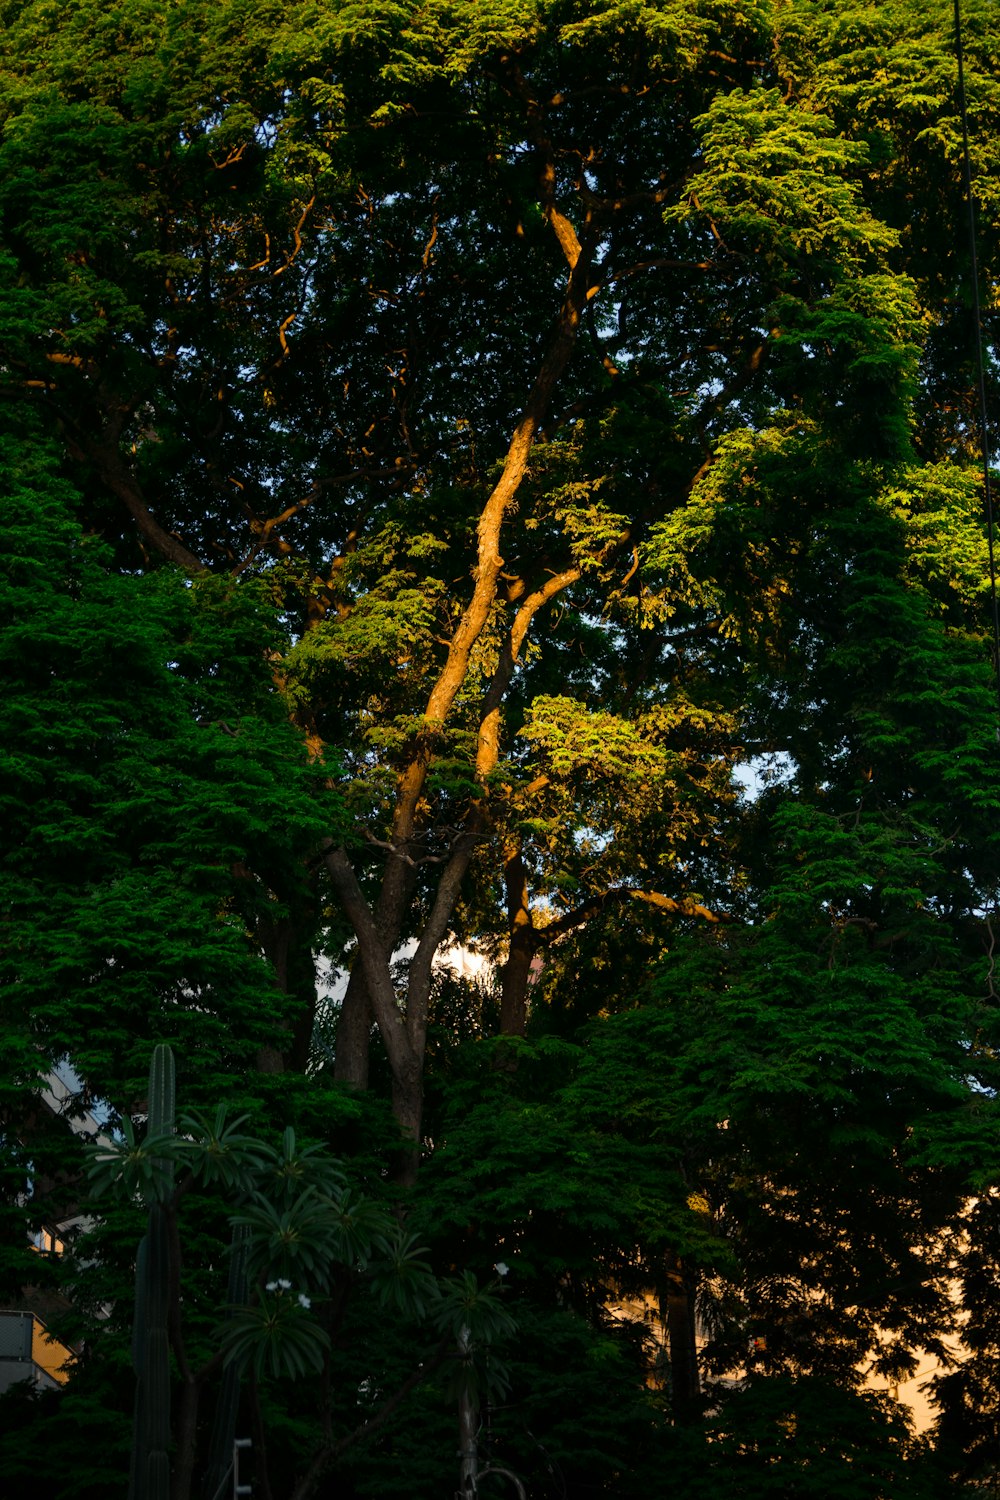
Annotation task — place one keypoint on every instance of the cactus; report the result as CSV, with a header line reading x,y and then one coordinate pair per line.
x,y
150,1471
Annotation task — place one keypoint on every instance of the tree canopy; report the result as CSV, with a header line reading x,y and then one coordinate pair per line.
x,y
505,475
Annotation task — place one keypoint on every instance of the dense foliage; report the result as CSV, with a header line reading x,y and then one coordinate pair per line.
x,y
504,476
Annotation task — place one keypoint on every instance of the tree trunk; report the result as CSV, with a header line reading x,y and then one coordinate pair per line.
x,y
287,946
354,1027
516,974
186,1435
468,1430
515,981
678,1312
262,1478
408,1107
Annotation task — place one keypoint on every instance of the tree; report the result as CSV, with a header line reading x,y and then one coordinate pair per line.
x,y
450,442
305,258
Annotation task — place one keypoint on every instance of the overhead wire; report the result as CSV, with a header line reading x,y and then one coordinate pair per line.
x,y
977,318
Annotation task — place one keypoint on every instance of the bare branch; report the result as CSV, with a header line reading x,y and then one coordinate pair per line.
x,y
571,920
659,263
123,484
489,562
398,853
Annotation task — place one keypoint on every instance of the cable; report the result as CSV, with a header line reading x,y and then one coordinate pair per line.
x,y
984,430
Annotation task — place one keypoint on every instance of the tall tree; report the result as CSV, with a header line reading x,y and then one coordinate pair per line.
x,y
446,444
250,323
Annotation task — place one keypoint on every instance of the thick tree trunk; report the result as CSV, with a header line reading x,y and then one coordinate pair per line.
x,y
354,1027
677,1308
373,958
516,973
408,1108
515,981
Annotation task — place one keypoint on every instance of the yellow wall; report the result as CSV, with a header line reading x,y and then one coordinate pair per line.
x,y
48,1353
